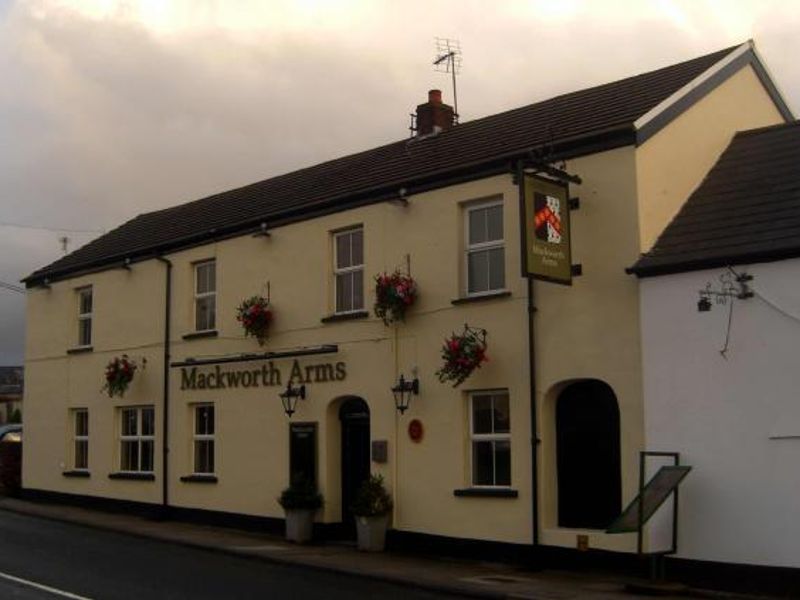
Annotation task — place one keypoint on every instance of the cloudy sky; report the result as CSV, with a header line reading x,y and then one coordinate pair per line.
x,y
110,108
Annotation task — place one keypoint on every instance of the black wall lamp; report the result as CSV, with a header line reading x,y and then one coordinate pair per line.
x,y
290,396
403,392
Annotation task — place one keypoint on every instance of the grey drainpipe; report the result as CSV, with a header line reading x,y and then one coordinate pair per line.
x,y
165,417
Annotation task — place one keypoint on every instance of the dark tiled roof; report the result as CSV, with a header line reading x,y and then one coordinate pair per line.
x,y
747,209
335,184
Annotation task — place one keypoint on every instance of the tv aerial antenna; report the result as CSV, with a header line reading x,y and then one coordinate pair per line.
x,y
448,60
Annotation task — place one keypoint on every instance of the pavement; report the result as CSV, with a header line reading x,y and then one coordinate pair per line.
x,y
474,579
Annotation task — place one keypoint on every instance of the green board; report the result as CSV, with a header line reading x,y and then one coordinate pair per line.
x,y
653,495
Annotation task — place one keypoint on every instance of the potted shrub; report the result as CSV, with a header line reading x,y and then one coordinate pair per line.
x,y
300,501
371,509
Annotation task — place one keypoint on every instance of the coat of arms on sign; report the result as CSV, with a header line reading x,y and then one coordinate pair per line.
x,y
547,218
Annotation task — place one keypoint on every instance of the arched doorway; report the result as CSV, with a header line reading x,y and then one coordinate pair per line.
x,y
588,455
354,415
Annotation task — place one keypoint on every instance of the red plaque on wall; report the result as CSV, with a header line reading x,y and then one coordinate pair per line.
x,y
415,430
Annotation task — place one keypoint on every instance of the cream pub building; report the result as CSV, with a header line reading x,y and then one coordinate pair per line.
x,y
504,458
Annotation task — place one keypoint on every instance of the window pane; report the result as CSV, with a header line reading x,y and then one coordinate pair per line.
x,y
357,247
358,289
482,467
477,226
206,277
477,271
84,332
204,456
212,277
502,463
204,420
148,421
482,414
343,250
81,423
147,455
501,414
497,277
81,454
129,456
344,292
205,313
494,223
86,301
129,421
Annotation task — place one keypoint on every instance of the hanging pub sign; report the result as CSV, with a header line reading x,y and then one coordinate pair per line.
x,y
546,249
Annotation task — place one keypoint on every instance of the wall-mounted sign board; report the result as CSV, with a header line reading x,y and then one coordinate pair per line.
x,y
547,251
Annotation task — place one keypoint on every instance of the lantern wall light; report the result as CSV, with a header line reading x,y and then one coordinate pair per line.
x,y
290,396
403,392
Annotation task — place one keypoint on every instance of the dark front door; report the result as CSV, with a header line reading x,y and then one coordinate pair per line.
x,y
588,455
354,415
302,453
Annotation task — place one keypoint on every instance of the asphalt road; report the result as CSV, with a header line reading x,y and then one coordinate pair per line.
x,y
80,563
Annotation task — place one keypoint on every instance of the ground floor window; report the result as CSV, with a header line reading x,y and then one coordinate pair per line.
x,y
137,433
204,438
80,448
490,429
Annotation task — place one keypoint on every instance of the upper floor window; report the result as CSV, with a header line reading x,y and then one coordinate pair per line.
x,y
85,316
348,268
491,438
205,295
485,260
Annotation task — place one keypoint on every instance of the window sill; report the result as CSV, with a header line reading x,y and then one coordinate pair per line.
x,y
80,350
74,473
349,316
486,493
481,297
199,478
133,476
196,335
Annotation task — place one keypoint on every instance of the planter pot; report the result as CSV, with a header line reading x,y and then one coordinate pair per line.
x,y
299,524
371,533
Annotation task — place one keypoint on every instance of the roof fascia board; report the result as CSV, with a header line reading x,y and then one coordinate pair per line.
x,y
666,111
702,264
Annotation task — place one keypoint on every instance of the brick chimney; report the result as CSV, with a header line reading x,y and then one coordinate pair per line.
x,y
434,116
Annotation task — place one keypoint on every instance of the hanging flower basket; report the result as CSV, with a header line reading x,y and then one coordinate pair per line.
x,y
255,315
462,354
394,293
119,374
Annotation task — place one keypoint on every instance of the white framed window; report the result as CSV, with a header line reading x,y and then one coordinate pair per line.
x,y
80,439
85,316
205,295
348,269
203,439
137,439
490,433
485,248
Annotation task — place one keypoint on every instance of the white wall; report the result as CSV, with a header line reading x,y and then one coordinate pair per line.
x,y
735,420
